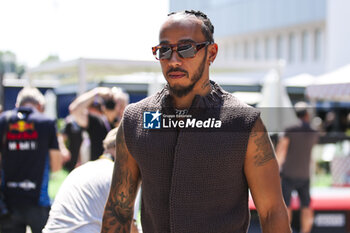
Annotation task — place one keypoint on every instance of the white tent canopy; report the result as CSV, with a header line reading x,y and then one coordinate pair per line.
x,y
301,80
332,86
250,98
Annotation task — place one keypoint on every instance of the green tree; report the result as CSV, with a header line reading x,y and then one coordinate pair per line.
x,y
51,58
8,63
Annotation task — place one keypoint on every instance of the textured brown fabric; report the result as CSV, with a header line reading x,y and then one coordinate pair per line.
x,y
192,180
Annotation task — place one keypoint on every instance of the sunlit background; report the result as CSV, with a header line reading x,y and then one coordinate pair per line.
x,y
70,29
272,54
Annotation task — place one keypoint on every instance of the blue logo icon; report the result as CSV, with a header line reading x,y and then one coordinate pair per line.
x,y
151,120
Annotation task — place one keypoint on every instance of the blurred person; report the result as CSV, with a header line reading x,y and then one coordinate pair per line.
x,y
97,126
193,180
96,106
329,123
347,130
72,136
294,159
29,149
70,140
79,204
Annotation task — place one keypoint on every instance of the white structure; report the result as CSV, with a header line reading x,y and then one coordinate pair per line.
x,y
275,106
309,35
85,70
332,86
338,34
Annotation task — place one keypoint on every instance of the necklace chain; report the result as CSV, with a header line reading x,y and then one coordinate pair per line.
x,y
181,111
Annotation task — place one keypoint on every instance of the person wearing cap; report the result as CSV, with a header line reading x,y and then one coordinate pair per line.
x,y
294,158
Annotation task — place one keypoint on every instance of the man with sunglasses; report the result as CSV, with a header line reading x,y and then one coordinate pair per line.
x,y
194,179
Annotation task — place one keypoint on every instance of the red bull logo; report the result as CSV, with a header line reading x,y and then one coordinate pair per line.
x,y
22,136
21,126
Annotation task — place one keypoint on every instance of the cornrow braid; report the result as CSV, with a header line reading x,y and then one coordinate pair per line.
x,y
207,29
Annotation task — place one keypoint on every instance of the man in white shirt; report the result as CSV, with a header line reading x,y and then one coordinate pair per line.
x,y
80,202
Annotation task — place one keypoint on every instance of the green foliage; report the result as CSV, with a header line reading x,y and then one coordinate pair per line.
x,y
8,63
61,123
2,66
55,182
51,58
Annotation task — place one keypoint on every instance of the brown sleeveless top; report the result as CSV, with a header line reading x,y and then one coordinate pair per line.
x,y
192,179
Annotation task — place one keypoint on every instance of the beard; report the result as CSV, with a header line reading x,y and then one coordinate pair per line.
x,y
180,91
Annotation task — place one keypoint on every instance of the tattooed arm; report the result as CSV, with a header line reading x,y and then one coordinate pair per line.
x,y
262,174
118,214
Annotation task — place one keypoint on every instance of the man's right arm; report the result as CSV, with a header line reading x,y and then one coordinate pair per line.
x,y
118,212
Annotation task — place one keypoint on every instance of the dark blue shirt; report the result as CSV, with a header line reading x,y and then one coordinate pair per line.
x,y
27,137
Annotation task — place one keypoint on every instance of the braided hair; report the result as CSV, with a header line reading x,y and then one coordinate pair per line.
x,y
207,28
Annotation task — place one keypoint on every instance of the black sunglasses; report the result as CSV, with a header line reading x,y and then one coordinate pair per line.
x,y
185,50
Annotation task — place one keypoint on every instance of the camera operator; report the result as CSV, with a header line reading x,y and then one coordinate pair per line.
x,y
97,126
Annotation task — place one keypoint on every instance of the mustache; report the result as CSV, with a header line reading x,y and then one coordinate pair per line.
x,y
177,69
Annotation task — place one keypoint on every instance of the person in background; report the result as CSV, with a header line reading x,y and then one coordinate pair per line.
x,y
347,129
70,140
79,204
29,148
294,158
193,179
96,107
97,126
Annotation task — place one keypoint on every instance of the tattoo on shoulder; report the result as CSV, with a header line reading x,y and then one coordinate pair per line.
x,y
264,151
121,149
